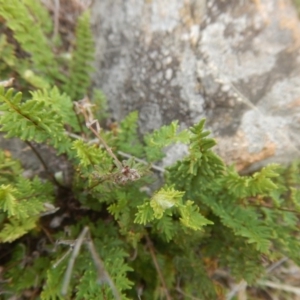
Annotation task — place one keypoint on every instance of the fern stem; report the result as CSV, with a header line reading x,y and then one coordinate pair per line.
x,y
152,253
108,149
154,167
103,275
52,177
124,154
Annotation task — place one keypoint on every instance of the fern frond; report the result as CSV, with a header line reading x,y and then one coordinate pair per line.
x,y
191,218
80,67
165,227
163,137
91,156
40,15
128,140
16,228
164,199
60,103
32,120
243,222
21,22
52,289
35,272
7,200
101,105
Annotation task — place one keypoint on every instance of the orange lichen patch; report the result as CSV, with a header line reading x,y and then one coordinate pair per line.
x,y
247,159
293,25
191,16
287,17
263,11
234,150
294,103
192,12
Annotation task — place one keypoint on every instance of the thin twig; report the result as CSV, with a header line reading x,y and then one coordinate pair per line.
x,y
152,252
62,257
44,164
236,289
162,170
84,107
75,253
279,286
103,275
48,235
276,264
124,154
56,18
108,149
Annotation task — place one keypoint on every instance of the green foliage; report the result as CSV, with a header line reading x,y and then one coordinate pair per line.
x,y
21,203
100,105
34,119
39,66
161,138
128,140
148,238
80,67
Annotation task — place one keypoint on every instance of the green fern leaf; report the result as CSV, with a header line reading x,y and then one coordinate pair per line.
x,y
128,140
7,200
16,228
80,67
164,199
190,216
145,214
163,137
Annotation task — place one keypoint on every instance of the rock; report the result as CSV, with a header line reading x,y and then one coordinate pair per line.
x,y
236,63
32,164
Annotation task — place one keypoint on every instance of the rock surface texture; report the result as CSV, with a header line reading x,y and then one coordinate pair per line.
x,y
236,63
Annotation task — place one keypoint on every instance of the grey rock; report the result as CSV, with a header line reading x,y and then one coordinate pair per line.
x,y
236,63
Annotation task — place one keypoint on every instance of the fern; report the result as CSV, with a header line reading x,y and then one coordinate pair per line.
x,y
22,203
16,229
148,236
32,120
21,22
128,139
80,68
52,289
161,138
40,15
60,103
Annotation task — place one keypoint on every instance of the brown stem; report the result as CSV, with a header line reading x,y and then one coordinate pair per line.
x,y
108,149
52,177
47,233
103,275
152,253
